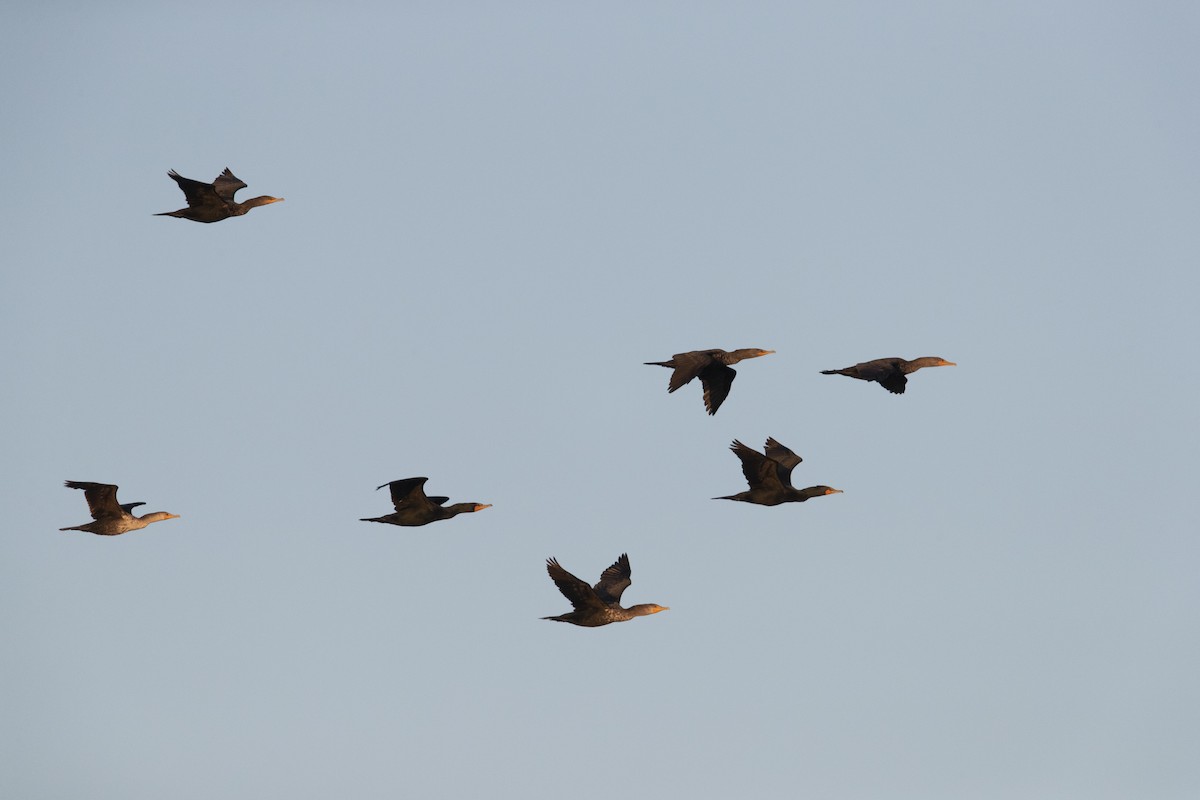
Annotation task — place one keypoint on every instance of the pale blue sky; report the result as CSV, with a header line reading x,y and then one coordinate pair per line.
x,y
494,215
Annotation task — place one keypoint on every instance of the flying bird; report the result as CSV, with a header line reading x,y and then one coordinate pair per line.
x,y
600,604
213,202
713,369
111,518
890,373
413,508
770,476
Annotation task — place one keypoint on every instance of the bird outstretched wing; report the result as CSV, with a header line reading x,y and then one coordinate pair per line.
x,y
717,380
784,458
579,594
614,581
687,367
758,469
101,498
408,493
227,184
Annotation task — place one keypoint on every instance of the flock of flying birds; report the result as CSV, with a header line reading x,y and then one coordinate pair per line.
x,y
769,473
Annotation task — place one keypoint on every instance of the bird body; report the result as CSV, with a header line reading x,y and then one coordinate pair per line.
x,y
890,373
713,369
414,509
770,476
600,604
213,202
110,517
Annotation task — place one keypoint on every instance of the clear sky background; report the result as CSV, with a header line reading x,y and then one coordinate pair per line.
x,y
494,214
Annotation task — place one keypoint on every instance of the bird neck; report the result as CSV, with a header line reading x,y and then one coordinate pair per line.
x,y
254,202
921,363
458,508
644,609
734,356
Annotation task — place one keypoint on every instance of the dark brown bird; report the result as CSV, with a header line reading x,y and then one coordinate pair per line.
x,y
111,518
890,373
600,604
413,508
711,367
770,476
213,202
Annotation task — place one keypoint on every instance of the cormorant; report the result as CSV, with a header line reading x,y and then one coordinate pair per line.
x,y
601,604
712,367
413,508
111,518
213,202
889,372
770,476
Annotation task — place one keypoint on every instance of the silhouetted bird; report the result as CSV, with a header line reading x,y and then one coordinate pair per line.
x,y
770,476
413,508
600,604
213,202
890,373
111,518
711,367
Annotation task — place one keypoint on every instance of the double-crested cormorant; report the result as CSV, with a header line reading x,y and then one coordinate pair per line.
x,y
770,476
712,367
111,518
213,202
413,508
889,372
600,604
